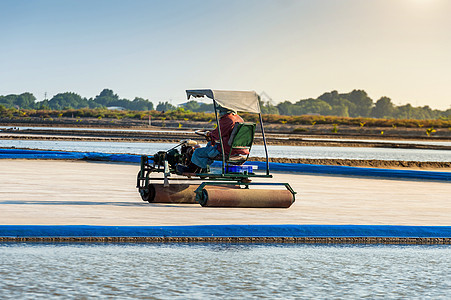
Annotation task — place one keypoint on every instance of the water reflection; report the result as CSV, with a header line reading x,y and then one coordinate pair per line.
x,y
422,142
163,271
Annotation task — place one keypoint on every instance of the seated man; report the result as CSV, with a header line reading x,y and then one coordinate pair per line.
x,y
203,157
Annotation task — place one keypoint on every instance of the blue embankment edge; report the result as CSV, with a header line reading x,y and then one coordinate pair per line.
x,y
227,231
355,171
300,168
43,154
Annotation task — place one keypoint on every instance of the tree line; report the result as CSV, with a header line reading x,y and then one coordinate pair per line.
x,y
69,100
353,104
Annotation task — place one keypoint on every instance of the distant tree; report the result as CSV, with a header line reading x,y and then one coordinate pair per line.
x,y
67,101
425,112
8,101
24,101
342,105
312,106
330,97
357,102
404,112
140,104
447,114
340,110
421,113
192,106
195,106
206,107
285,108
363,103
384,108
93,104
107,98
44,104
125,103
165,106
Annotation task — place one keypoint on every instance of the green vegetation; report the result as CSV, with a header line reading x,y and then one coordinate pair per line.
x,y
198,107
65,101
356,104
335,128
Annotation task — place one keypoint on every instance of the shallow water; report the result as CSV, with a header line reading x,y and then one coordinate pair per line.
x,y
422,142
257,150
203,271
92,129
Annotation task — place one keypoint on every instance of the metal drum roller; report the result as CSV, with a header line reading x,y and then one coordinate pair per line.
x,y
174,193
177,193
215,196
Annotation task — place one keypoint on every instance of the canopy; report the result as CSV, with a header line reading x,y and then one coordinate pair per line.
x,y
246,101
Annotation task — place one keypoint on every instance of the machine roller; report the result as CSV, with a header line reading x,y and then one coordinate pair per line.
x,y
175,193
220,197
179,193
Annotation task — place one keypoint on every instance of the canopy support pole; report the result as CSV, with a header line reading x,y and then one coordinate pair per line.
x,y
220,137
264,143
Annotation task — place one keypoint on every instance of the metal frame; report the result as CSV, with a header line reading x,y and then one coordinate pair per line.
x,y
222,146
143,179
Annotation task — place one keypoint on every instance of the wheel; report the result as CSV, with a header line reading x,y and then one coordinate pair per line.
x,y
147,194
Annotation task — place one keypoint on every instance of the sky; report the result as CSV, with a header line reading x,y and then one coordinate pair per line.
x,y
289,49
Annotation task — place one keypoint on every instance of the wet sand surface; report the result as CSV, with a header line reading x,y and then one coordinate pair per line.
x,y
47,192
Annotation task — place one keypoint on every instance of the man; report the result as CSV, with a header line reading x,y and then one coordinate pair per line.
x,y
203,157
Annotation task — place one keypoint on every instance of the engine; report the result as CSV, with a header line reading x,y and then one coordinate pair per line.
x,y
174,156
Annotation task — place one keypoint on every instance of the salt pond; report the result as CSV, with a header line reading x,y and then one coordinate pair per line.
x,y
257,150
199,271
89,129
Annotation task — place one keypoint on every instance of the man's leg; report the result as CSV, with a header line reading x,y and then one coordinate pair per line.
x,y
202,156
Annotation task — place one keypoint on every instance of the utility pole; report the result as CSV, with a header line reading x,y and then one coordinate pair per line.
x,y
264,96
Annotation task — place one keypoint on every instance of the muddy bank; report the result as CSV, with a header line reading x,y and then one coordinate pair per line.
x,y
234,239
362,163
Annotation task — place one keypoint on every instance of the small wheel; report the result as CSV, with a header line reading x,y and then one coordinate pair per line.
x,y
147,194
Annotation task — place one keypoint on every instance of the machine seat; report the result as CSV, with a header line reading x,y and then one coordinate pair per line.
x,y
242,137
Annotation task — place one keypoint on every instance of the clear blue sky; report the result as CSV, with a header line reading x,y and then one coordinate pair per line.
x,y
292,50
